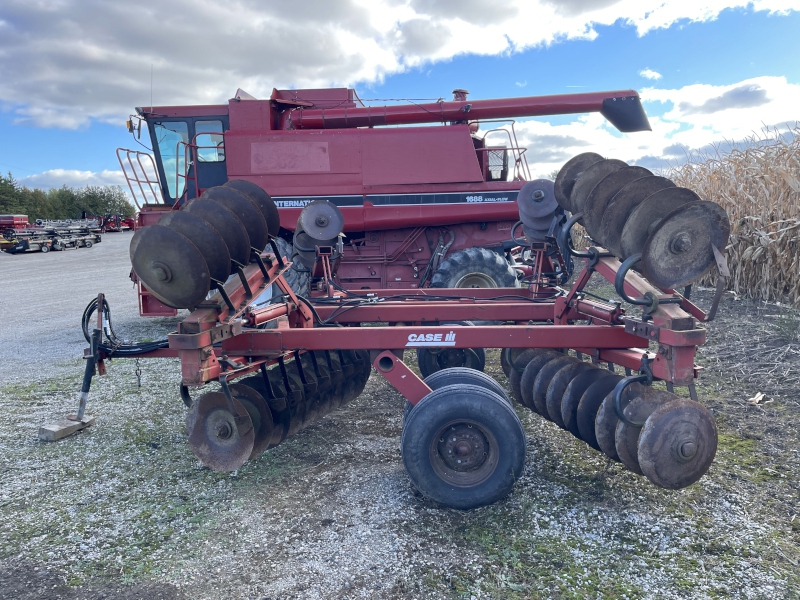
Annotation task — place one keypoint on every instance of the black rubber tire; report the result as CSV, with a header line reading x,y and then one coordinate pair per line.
x,y
462,263
481,410
456,376
428,362
297,277
88,244
45,249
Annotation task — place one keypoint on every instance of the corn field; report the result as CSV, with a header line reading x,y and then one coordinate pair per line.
x,y
758,184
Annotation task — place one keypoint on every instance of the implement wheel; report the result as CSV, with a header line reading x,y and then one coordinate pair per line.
x,y
463,446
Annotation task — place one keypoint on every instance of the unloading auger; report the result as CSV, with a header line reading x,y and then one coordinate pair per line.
x,y
276,362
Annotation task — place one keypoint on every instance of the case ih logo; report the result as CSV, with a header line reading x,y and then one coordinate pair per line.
x,y
431,339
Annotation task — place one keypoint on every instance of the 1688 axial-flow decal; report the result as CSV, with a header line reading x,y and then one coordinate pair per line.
x,y
431,339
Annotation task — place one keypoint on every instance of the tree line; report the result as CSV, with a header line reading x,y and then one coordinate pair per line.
x,y
62,203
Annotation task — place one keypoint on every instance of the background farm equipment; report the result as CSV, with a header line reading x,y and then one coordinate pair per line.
x,y
284,363
52,235
429,204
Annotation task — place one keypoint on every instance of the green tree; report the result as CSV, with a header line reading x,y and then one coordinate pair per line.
x,y
10,197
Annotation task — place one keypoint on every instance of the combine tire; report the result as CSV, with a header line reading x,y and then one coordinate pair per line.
x,y
297,276
475,268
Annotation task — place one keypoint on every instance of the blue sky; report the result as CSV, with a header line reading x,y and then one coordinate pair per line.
x,y
719,71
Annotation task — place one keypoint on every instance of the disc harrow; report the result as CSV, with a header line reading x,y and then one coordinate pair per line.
x,y
276,367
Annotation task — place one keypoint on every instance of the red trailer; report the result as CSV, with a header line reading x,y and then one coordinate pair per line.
x,y
428,190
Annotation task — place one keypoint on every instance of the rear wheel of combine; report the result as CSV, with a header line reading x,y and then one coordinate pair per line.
x,y
463,446
475,268
296,276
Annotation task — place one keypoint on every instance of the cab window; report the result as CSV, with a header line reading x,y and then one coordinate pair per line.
x,y
168,135
209,140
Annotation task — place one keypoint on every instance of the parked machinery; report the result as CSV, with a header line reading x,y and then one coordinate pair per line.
x,y
284,364
428,204
51,235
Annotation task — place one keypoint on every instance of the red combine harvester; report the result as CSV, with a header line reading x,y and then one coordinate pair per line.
x,y
428,191
284,364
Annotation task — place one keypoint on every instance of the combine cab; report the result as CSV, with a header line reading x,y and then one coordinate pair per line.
x,y
429,192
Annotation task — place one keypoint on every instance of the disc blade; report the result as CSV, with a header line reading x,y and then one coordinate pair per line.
x,y
648,215
207,240
321,220
529,376
256,406
573,394
679,251
543,379
170,266
262,199
278,409
626,437
247,211
621,206
570,172
557,387
589,405
601,194
222,440
605,423
590,178
536,199
227,225
515,373
677,444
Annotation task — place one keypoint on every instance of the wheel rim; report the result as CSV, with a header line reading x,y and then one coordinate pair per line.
x,y
476,280
464,453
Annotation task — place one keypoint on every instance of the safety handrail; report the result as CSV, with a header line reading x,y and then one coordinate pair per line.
x,y
149,187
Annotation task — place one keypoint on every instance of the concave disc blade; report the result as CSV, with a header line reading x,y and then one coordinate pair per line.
x,y
278,409
605,423
626,437
571,397
679,251
601,194
529,376
557,387
543,379
262,199
537,199
504,363
321,220
621,206
207,240
590,178
677,444
648,215
519,366
260,415
569,173
589,405
246,210
221,439
227,225
170,266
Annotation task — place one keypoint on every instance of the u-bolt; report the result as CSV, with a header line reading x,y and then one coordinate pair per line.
x,y
616,398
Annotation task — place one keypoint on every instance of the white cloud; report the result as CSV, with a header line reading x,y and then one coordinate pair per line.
x,y
55,178
521,84
65,63
650,74
740,110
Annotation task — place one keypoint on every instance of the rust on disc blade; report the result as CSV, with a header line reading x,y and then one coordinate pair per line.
x,y
677,444
605,423
646,217
262,199
227,225
529,376
621,206
573,394
207,240
543,379
256,406
569,173
601,194
170,266
678,250
590,178
515,373
246,210
221,439
626,437
589,405
558,385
